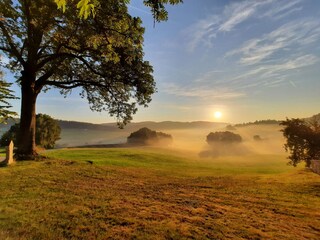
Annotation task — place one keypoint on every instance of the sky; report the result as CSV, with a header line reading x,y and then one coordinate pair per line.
x,y
248,60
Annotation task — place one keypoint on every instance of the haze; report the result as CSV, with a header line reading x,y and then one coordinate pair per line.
x,y
190,140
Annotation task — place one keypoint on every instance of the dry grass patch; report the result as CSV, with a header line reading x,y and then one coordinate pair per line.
x,y
70,199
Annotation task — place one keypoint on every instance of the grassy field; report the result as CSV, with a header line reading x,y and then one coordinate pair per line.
x,y
146,193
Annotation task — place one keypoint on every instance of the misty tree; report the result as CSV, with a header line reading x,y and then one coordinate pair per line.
x,y
223,137
102,55
5,95
302,140
145,136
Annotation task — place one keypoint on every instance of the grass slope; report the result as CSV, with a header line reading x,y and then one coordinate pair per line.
x,y
155,194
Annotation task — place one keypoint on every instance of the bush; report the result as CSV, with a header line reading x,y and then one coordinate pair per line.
x,y
224,144
223,137
145,136
47,132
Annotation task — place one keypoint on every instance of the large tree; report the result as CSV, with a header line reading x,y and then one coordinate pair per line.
x,y
302,140
102,55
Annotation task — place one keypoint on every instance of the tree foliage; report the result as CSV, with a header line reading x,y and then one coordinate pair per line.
x,y
223,137
87,8
10,135
145,136
47,132
5,95
302,140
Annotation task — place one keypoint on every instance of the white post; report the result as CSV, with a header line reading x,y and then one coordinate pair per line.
x,y
9,153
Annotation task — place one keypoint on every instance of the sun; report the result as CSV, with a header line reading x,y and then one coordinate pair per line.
x,y
217,114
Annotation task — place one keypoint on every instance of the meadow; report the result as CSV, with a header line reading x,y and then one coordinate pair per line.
x,y
157,193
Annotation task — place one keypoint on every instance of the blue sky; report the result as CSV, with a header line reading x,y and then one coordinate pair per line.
x,y
250,60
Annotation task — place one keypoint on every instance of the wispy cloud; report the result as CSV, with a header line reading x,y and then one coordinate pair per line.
x,y
207,29
203,92
283,9
238,12
210,86
291,36
271,74
202,32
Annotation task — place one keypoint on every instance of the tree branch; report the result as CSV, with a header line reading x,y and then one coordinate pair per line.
x,y
13,49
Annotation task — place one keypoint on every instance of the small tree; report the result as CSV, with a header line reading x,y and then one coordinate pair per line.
x,y
223,137
145,136
47,132
302,140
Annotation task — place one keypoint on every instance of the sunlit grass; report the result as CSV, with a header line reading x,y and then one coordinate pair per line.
x,y
150,193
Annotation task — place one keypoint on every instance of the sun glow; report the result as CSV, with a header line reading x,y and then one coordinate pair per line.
x,y
217,114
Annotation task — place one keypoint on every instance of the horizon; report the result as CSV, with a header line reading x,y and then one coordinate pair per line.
x,y
230,61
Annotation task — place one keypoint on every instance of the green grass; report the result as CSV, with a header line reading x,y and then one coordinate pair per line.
x,y
145,193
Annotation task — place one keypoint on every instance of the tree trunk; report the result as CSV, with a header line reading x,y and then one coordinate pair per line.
x,y
27,132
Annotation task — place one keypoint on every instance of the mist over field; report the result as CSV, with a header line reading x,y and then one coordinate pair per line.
x,y
189,138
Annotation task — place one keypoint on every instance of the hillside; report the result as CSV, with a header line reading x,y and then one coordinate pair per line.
x,y
144,193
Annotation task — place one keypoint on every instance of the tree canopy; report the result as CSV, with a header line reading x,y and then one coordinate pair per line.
x,y
87,8
223,137
302,140
145,136
102,55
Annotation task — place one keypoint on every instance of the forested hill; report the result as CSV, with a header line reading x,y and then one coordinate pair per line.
x,y
260,122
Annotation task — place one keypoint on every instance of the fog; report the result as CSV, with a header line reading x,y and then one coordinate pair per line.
x,y
194,141
189,140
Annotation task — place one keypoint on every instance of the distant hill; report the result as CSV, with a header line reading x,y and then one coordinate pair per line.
x,y
166,125
84,125
174,125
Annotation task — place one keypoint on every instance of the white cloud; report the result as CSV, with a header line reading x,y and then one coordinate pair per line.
x,y
271,74
207,29
238,12
291,36
202,32
283,9
203,92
